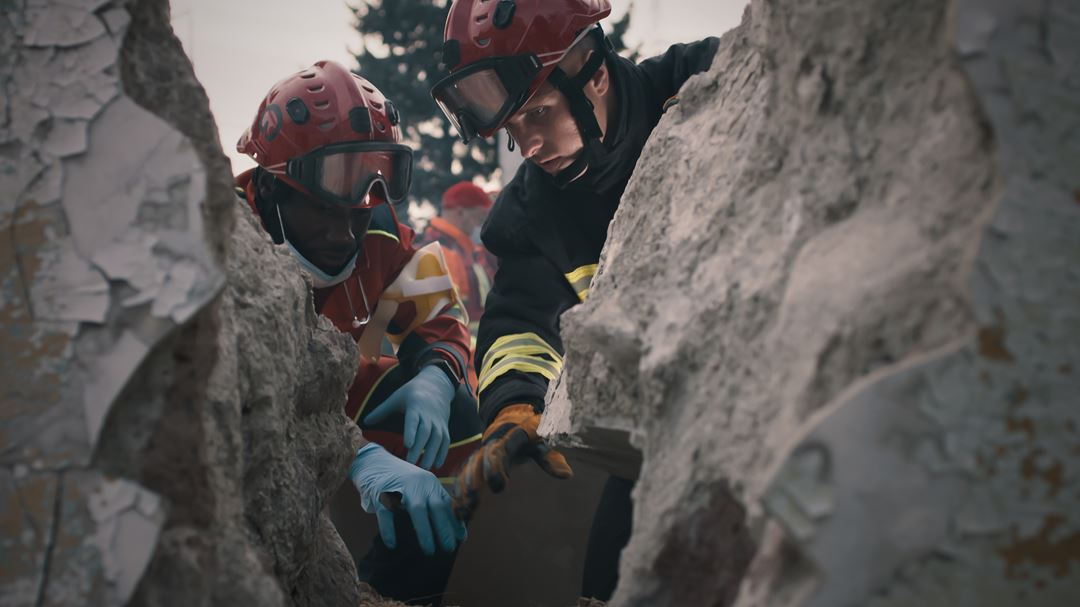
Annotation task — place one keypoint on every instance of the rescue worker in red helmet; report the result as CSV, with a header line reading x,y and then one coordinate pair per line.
x,y
544,71
465,206
330,158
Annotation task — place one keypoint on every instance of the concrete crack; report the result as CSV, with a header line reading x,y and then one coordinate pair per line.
x,y
50,543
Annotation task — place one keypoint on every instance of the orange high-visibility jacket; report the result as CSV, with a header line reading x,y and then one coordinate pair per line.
x,y
471,266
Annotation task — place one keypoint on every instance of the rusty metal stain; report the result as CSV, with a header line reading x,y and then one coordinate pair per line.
x,y
26,518
1041,551
1021,424
30,233
992,344
29,384
1053,475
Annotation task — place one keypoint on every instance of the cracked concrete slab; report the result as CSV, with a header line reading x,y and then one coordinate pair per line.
x,y
135,466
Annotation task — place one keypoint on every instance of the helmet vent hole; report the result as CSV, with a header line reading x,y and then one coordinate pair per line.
x,y
326,126
318,88
376,105
482,42
381,127
368,88
322,104
307,75
481,18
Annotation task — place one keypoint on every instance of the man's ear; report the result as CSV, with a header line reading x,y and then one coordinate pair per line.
x,y
601,80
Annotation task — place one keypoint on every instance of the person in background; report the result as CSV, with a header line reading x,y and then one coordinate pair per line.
x,y
465,206
544,71
330,160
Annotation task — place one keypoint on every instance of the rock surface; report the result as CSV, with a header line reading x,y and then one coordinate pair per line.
x,y
839,315
171,423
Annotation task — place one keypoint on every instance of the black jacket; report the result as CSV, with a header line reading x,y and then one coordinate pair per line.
x,y
548,240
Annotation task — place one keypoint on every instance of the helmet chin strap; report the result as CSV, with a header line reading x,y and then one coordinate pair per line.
x,y
583,112
320,278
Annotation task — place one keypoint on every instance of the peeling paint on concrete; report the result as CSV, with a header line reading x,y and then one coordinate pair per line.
x,y
128,519
108,375
133,470
62,26
78,163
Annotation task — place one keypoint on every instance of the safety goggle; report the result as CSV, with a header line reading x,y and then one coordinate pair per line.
x,y
344,173
479,98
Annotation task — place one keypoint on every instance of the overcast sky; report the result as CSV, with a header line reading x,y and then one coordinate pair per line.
x,y
240,48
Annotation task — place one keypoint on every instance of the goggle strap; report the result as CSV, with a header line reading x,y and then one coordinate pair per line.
x,y
582,111
580,106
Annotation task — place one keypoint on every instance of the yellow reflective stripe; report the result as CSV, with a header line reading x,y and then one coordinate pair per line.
x,y
580,279
551,366
384,233
465,441
521,352
528,350
524,338
518,364
582,272
374,386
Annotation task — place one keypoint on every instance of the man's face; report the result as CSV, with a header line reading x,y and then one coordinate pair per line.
x,y
545,130
467,219
326,234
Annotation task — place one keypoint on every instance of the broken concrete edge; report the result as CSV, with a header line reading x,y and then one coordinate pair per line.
x,y
74,222
985,453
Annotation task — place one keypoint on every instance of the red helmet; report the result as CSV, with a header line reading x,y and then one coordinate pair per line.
x,y
330,134
465,195
499,53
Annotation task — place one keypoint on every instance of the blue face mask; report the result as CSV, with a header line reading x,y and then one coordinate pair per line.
x,y
319,278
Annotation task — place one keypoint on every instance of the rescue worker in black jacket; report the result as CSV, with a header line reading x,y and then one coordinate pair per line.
x,y
544,71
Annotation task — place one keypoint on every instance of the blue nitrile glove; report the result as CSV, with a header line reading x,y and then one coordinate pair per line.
x,y
425,401
375,473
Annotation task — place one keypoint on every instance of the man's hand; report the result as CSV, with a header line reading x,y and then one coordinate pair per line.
x,y
425,401
380,477
509,440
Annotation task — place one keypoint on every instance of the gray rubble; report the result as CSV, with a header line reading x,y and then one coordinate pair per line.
x,y
171,422
837,314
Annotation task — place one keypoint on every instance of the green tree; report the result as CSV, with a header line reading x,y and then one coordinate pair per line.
x,y
402,54
617,35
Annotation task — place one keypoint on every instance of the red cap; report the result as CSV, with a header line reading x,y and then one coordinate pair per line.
x,y
465,195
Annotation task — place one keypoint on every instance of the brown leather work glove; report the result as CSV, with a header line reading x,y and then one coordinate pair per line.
x,y
509,440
